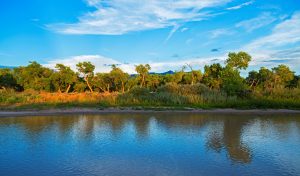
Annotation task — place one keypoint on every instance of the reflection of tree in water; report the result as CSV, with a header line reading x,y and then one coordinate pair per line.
x,y
141,125
225,132
229,137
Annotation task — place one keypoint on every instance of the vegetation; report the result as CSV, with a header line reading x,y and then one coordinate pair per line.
x,y
219,86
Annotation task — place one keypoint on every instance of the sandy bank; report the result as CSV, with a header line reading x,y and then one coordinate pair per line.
x,y
52,112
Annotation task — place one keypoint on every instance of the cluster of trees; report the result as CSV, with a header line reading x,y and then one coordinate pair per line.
x,y
225,78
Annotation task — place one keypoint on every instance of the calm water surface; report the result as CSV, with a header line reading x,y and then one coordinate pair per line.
x,y
150,144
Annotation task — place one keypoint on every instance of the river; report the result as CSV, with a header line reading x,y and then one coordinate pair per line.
x,y
144,144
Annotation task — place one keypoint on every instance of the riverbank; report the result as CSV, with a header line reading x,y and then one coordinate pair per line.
x,y
72,111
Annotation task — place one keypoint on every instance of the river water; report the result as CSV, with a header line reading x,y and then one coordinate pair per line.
x,y
144,144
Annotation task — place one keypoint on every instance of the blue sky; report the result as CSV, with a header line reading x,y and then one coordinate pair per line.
x,y
166,34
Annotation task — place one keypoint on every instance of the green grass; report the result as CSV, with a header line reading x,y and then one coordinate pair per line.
x,y
179,97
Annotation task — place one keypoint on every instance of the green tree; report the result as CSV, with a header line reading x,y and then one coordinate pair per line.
x,y
153,81
143,71
7,79
103,81
253,79
266,78
212,76
34,76
87,71
119,78
63,78
283,75
238,60
233,83
195,75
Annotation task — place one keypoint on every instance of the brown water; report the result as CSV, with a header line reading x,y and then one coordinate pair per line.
x,y
150,144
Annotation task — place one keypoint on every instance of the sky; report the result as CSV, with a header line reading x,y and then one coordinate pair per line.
x,y
166,34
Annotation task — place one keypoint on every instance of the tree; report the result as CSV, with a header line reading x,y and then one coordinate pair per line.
x,y
143,71
283,75
7,79
34,76
153,81
87,71
195,75
265,78
103,81
238,60
119,78
253,79
212,76
63,78
233,83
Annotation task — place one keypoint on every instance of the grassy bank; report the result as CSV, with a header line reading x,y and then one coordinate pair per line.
x,y
169,96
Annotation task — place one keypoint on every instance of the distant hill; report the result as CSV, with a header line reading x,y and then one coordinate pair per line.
x,y
164,73
10,67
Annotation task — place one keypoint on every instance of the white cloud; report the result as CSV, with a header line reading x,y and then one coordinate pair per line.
x,y
115,17
175,28
240,6
184,29
284,33
280,46
103,64
263,20
220,32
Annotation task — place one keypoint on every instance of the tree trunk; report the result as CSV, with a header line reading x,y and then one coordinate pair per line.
x,y
68,89
108,88
123,87
88,84
143,79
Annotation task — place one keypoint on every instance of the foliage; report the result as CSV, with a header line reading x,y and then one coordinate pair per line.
x,y
218,87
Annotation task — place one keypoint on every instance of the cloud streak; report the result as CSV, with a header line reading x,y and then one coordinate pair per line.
x,y
283,43
240,6
103,64
255,23
116,17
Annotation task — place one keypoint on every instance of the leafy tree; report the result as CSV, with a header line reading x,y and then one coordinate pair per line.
x,y
143,71
34,76
253,79
295,83
63,78
212,76
195,75
238,60
153,81
233,83
103,81
265,78
131,83
119,78
283,75
87,71
7,79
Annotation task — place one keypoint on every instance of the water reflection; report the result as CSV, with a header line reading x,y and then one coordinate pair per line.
x,y
229,135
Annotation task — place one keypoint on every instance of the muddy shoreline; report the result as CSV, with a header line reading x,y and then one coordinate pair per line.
x,y
74,111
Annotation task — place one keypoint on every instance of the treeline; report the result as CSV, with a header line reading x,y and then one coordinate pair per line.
x,y
226,79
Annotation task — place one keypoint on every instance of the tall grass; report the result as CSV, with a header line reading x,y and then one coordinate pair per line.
x,y
169,95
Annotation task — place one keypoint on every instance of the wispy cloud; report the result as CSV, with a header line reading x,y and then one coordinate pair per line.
x,y
175,28
262,20
240,6
103,64
115,17
281,44
284,33
220,32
